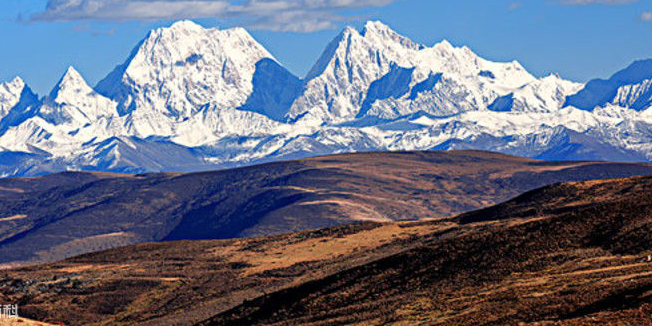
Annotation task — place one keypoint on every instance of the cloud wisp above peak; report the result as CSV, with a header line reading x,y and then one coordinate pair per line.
x,y
277,15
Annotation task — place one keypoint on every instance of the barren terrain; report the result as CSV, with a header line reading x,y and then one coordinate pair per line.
x,y
566,254
58,216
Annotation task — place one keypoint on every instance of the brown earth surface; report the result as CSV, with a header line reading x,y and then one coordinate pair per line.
x,y
22,322
566,254
63,215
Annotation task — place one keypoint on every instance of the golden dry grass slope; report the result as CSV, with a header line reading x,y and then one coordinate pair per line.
x,y
566,254
58,216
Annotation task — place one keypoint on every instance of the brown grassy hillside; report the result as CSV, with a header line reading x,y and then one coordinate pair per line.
x,y
567,254
63,215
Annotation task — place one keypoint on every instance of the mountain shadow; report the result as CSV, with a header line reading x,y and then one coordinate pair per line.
x,y
275,89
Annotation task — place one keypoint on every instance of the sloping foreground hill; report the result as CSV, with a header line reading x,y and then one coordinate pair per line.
x,y
566,254
63,215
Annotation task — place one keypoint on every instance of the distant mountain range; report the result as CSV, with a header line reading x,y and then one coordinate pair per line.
x,y
190,98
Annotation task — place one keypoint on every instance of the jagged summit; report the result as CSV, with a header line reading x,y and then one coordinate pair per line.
x,y
16,81
71,84
382,32
178,71
376,25
74,104
358,76
11,93
374,35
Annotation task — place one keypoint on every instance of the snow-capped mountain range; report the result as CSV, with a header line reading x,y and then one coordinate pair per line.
x,y
191,98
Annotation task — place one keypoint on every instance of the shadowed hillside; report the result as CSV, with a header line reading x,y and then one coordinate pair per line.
x,y
63,215
566,254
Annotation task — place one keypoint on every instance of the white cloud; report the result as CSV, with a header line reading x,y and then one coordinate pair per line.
x,y
646,16
284,15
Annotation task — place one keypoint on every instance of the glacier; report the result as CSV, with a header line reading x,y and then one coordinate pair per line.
x,y
190,98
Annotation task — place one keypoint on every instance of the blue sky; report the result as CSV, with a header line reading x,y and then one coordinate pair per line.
x,y
579,39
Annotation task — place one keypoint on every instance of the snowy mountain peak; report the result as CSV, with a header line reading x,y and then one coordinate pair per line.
x,y
17,82
195,98
10,94
184,25
376,38
69,86
518,66
444,45
10,91
378,31
189,29
381,73
180,70
72,77
376,25
330,51
73,103
556,79
175,44
553,76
